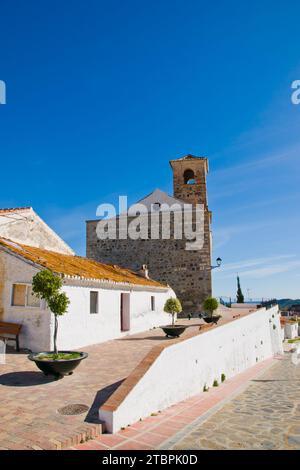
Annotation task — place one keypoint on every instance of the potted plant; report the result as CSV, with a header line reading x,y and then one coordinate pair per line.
x,y
173,306
210,305
47,286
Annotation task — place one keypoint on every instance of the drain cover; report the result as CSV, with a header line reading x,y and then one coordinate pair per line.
x,y
75,409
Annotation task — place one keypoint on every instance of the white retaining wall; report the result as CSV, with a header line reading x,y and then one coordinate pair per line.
x,y
184,368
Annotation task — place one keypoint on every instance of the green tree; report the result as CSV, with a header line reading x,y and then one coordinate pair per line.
x,y
47,286
173,306
239,293
210,305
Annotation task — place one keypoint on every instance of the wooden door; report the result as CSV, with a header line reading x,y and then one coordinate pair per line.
x,y
125,312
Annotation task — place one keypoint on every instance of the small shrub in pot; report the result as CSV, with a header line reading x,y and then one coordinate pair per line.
x,y
173,306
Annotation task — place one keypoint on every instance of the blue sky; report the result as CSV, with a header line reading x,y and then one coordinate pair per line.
x,y
100,95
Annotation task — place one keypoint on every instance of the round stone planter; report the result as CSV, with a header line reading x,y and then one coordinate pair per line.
x,y
59,368
173,330
213,319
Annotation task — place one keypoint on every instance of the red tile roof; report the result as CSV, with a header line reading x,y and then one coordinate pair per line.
x,y
14,209
77,266
284,320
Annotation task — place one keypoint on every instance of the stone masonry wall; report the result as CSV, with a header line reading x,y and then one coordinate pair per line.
x,y
190,193
168,261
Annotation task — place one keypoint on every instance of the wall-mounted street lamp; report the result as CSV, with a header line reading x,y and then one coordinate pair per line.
x,y
219,262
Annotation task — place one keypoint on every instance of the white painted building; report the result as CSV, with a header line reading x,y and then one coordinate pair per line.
x,y
290,328
23,225
106,301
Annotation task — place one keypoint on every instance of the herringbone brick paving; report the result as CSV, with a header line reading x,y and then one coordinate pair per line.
x,y
29,400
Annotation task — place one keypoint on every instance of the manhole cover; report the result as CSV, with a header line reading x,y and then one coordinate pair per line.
x,y
75,409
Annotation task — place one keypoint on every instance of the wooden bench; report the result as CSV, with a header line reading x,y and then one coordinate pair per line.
x,y
12,329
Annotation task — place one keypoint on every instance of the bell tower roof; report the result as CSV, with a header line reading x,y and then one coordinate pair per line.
x,y
189,158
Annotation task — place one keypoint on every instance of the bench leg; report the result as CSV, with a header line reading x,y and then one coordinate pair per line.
x,y
17,344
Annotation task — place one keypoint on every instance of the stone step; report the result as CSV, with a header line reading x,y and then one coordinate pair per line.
x,y
80,435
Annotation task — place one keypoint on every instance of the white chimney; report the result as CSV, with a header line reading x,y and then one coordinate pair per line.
x,y
144,271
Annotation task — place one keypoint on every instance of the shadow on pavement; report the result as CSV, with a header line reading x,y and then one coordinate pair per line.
x,y
24,379
101,397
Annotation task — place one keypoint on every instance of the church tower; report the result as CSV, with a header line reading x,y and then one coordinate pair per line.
x,y
189,179
187,271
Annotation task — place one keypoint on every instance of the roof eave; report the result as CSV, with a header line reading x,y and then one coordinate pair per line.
x,y
89,281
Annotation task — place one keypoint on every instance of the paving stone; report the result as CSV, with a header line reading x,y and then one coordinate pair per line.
x,y
273,401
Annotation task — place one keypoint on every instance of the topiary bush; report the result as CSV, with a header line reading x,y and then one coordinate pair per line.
x,y
47,286
173,306
210,305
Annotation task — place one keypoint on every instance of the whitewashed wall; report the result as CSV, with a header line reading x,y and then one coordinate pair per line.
x,y
291,330
282,333
35,333
77,328
28,228
184,368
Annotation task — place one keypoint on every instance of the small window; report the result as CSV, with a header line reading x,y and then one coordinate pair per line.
x,y
22,296
19,295
93,302
152,303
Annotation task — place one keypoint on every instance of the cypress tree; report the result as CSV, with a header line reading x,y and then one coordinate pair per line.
x,y
239,293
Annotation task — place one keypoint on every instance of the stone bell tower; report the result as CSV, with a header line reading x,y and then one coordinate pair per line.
x,y
189,185
189,179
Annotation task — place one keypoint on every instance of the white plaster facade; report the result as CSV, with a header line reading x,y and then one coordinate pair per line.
x,y
183,369
25,226
78,327
291,330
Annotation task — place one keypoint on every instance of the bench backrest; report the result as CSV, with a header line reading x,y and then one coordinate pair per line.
x,y
11,328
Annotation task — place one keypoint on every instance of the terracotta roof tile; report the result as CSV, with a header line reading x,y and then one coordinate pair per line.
x,y
14,209
285,320
77,266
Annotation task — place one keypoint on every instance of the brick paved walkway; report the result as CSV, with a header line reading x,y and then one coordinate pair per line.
x,y
164,429
29,400
265,416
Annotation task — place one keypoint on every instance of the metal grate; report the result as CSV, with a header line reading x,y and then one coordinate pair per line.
x,y
74,409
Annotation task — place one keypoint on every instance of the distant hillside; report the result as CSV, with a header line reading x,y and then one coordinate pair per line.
x,y
285,304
